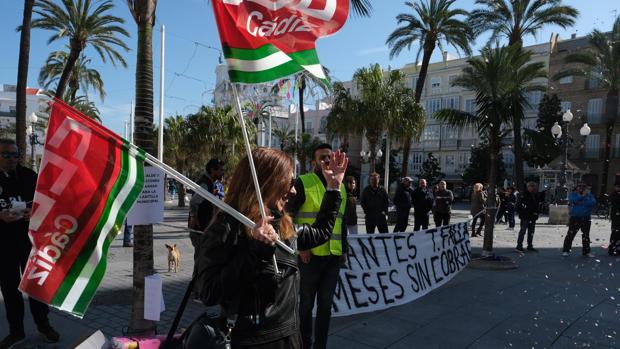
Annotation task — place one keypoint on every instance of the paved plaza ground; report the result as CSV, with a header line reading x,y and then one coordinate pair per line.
x,y
548,302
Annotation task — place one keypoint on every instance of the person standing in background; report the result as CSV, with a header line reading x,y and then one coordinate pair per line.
x,y
581,204
422,199
614,239
478,200
528,208
350,212
442,206
511,201
402,201
375,203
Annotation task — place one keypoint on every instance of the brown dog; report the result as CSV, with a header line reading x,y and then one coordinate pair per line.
x,y
174,258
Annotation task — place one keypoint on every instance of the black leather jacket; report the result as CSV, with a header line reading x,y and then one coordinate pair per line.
x,y
232,266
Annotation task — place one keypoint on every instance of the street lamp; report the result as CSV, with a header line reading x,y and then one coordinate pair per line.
x,y
366,155
560,133
33,138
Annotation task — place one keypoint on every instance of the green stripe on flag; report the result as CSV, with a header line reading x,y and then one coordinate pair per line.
x,y
249,54
90,245
97,277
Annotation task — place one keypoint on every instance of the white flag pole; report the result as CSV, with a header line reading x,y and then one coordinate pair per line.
x,y
248,150
160,148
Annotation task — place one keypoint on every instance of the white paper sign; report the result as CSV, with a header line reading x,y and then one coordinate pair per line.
x,y
386,270
149,207
153,297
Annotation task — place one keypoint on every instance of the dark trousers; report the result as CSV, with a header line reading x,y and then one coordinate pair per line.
x,y
510,217
12,262
501,214
402,219
420,222
574,225
441,218
291,342
318,281
479,218
528,226
379,222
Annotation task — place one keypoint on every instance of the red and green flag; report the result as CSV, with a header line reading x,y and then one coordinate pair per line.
x,y
89,178
265,40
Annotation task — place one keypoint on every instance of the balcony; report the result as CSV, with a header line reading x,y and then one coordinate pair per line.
x,y
449,143
8,114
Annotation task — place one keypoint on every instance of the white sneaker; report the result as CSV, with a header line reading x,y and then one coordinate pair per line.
x,y
589,255
565,254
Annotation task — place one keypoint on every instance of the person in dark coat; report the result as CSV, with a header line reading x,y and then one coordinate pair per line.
x,y
235,268
350,212
528,208
17,185
614,239
375,203
442,206
402,201
422,200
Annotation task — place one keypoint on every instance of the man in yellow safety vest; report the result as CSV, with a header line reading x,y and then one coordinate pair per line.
x,y
320,266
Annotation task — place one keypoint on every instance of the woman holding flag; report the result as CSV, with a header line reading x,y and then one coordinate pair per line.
x,y
235,266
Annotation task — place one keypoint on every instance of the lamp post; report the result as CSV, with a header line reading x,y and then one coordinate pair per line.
x,y
560,133
366,157
33,137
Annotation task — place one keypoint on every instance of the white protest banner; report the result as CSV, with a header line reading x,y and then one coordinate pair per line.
x,y
149,207
387,270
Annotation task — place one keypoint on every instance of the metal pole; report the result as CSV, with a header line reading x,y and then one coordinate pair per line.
x,y
296,130
160,143
32,145
387,163
269,130
131,123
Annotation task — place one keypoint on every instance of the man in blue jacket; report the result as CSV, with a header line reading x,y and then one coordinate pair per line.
x,y
581,204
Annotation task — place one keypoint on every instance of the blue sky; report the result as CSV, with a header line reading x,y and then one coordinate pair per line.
x,y
190,67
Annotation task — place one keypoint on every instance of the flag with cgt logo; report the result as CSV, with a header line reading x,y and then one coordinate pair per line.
x,y
88,180
265,40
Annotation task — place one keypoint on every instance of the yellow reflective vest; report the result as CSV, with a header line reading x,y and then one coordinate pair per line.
x,y
314,191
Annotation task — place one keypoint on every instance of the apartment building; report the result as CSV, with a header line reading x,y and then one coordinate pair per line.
x,y
586,98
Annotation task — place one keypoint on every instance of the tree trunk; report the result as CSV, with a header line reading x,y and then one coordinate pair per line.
x,y
372,142
419,87
143,235
74,54
518,151
611,113
22,79
302,114
494,146
181,194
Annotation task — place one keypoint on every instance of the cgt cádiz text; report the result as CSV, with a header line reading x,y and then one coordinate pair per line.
x,y
386,270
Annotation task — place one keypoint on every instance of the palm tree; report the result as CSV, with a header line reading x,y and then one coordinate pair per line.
x,y
176,139
514,20
143,12
501,78
83,104
433,23
83,23
602,63
285,136
303,148
361,7
22,77
374,108
342,115
82,77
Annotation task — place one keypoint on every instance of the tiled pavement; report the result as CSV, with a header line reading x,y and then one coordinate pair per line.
x,y
548,302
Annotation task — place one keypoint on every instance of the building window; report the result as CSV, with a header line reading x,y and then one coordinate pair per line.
x,y
533,99
595,110
432,133
413,82
433,105
566,80
452,102
417,158
451,80
323,125
617,147
449,163
565,106
470,106
593,146
309,128
436,84
463,160
594,81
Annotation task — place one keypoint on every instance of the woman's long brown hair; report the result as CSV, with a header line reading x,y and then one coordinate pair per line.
x,y
274,169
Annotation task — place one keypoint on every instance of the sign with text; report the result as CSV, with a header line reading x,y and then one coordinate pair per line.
x,y
149,208
386,270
